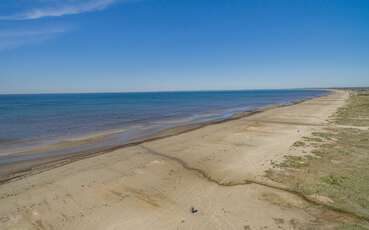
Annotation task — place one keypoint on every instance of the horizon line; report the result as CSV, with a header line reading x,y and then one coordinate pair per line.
x,y
175,91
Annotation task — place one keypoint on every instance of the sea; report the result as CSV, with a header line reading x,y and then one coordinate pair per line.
x,y
48,125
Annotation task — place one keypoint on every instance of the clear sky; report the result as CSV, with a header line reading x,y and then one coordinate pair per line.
x,y
146,45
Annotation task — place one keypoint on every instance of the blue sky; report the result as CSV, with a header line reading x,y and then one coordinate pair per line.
x,y
159,45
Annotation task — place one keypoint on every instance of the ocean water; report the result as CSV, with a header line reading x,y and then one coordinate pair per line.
x,y
68,123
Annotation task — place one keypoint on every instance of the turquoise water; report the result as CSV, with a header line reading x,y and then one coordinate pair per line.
x,y
29,121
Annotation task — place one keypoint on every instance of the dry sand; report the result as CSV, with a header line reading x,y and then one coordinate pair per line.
x,y
218,170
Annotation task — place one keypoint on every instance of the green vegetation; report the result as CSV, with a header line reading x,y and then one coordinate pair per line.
x,y
351,227
299,144
356,113
339,166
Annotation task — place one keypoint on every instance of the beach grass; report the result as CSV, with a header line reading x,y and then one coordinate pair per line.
x,y
336,172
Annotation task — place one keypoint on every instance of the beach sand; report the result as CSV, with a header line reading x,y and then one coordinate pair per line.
x,y
208,178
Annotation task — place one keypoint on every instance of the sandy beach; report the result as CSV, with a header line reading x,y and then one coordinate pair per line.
x,y
213,177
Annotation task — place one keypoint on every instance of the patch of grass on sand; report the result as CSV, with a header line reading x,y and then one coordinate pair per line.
x,y
294,162
356,113
340,168
312,139
351,227
299,144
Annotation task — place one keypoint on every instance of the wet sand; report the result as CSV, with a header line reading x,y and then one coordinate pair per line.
x,y
212,177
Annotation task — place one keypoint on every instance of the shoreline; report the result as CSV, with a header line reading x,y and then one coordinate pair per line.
x,y
23,168
48,129
218,170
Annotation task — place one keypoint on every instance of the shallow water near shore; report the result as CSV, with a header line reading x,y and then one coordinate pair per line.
x,y
37,126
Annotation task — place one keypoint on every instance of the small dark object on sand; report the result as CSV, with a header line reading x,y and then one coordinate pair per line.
x,y
193,210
